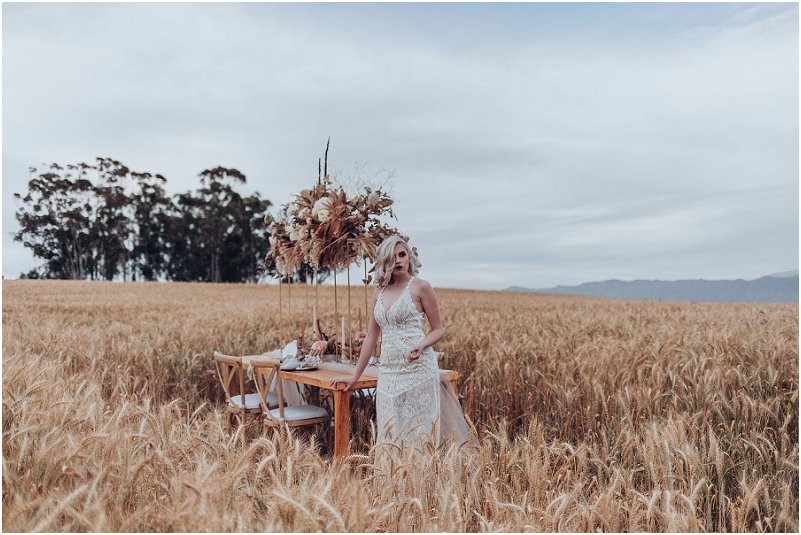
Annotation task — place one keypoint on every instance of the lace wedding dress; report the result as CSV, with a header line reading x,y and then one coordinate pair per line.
x,y
412,405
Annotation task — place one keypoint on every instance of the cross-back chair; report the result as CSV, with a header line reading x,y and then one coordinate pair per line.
x,y
265,372
238,403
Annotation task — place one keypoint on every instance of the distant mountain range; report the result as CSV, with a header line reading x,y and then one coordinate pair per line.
x,y
774,288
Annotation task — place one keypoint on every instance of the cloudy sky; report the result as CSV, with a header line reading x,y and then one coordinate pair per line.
x,y
531,144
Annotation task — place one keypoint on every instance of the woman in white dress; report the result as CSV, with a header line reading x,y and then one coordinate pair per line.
x,y
412,406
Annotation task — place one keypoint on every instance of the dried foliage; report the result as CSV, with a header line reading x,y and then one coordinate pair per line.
x,y
592,414
325,228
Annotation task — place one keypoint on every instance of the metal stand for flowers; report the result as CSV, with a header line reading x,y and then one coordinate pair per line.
x,y
306,284
350,345
366,282
316,305
289,301
336,308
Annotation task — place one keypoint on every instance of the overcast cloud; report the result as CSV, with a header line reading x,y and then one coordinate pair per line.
x,y
532,145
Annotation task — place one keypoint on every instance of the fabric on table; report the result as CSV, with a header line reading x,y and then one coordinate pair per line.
x,y
293,392
369,371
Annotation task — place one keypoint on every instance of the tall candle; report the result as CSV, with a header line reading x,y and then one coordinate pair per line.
x,y
302,335
314,320
360,319
343,337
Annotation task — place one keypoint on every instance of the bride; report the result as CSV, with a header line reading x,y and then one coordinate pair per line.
x,y
412,405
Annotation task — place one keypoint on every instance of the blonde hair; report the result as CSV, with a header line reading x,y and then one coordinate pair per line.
x,y
385,260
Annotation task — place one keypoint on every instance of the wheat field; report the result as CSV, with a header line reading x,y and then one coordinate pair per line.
x,y
590,414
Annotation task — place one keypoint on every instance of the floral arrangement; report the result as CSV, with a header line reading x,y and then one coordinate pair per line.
x,y
282,256
328,343
325,228
318,348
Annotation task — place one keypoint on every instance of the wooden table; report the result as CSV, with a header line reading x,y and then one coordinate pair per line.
x,y
327,372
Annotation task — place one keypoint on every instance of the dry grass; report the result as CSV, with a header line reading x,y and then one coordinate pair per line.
x,y
592,414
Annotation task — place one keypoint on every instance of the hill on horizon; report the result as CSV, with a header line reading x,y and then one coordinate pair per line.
x,y
776,288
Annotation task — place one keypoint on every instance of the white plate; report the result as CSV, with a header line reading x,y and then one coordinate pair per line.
x,y
290,364
295,366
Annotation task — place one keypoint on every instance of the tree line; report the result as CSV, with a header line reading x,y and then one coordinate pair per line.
x,y
103,221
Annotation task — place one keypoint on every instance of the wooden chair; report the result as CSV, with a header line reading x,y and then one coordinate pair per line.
x,y
264,372
232,371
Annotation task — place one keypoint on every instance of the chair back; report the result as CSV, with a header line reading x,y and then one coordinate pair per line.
x,y
264,373
231,372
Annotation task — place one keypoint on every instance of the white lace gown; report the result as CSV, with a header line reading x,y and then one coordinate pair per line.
x,y
411,403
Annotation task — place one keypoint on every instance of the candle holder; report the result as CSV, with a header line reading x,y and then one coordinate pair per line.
x,y
344,354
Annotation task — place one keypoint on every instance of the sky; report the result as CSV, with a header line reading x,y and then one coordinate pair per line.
x,y
528,144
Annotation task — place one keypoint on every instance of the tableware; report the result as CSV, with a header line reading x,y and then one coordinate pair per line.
x,y
290,364
290,350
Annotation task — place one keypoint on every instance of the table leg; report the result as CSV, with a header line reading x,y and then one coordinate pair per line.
x,y
341,422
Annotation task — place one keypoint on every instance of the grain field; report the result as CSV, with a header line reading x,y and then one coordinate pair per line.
x,y
590,414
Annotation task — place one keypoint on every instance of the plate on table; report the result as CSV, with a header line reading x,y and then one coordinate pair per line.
x,y
289,364
295,366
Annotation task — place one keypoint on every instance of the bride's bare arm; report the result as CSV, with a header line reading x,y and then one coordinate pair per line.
x,y
368,347
431,308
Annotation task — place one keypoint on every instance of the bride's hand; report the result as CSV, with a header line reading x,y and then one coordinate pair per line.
x,y
415,353
347,381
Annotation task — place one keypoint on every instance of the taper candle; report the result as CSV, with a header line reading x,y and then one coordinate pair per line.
x,y
314,321
342,341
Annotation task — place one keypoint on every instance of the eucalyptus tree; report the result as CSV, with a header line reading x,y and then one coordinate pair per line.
x,y
221,205
185,256
78,218
105,221
55,218
152,213
113,227
246,245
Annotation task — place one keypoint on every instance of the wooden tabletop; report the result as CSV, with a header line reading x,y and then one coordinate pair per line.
x,y
329,371
322,377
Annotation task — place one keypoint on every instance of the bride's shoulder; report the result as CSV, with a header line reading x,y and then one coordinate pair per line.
x,y
420,285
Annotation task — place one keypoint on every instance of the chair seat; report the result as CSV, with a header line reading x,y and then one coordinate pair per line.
x,y
252,401
304,412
